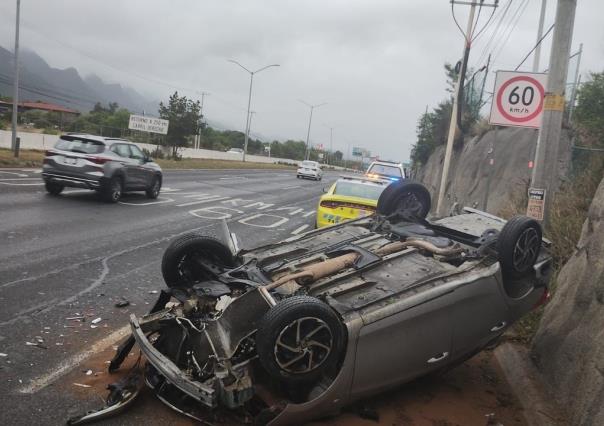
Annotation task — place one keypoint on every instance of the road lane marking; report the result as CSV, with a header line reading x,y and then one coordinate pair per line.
x,y
162,201
308,214
70,363
300,229
21,178
216,215
246,221
203,200
291,187
13,173
22,184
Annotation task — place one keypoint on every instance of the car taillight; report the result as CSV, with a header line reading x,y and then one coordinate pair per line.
x,y
335,204
98,160
543,299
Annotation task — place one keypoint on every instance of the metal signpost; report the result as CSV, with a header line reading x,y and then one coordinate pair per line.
x,y
148,124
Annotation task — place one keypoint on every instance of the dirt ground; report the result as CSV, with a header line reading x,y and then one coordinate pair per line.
x,y
462,397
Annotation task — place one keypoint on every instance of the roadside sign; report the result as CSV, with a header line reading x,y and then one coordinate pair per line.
x,y
518,99
148,124
357,152
536,203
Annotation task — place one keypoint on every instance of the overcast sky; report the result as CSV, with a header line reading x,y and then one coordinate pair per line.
x,y
377,63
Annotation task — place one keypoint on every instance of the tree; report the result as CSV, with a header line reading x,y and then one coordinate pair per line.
x,y
589,114
184,116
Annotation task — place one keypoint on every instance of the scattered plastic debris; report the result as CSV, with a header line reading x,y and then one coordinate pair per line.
x,y
93,326
3,354
153,292
82,385
77,318
59,344
96,320
36,344
88,372
122,304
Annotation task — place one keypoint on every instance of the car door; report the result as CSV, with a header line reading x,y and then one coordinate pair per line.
x,y
144,173
129,165
480,315
402,346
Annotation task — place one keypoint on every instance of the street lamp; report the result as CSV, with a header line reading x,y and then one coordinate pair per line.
x,y
249,100
312,107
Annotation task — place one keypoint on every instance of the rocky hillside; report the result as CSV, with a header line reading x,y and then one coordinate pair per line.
x,y
510,148
569,345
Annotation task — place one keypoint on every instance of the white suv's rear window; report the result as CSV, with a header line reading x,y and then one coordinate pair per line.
x,y
385,170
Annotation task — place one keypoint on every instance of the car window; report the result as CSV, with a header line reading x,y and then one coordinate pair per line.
x,y
385,170
136,153
310,164
80,145
361,190
121,149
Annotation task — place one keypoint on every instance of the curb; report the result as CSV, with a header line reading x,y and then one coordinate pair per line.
x,y
524,380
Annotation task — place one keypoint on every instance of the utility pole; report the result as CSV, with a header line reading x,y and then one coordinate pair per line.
x,y
537,54
200,124
14,144
545,173
440,206
576,83
312,107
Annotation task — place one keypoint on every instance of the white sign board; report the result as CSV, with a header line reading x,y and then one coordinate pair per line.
x,y
148,124
518,99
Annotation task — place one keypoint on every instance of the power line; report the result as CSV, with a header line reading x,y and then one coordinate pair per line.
x,y
515,18
535,47
501,16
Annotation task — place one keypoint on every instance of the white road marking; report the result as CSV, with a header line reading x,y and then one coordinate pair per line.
x,y
233,178
213,213
64,367
13,173
162,201
308,214
246,220
22,184
291,187
166,189
21,178
300,229
205,200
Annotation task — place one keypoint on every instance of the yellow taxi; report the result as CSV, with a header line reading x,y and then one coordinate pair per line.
x,y
349,198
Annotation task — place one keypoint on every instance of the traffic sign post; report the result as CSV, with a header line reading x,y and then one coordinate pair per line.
x,y
518,99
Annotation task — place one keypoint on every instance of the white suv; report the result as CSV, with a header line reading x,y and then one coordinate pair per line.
x,y
309,169
386,170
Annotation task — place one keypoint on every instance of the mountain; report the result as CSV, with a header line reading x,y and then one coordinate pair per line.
x,y
39,81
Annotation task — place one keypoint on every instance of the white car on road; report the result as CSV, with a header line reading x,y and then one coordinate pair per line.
x,y
309,169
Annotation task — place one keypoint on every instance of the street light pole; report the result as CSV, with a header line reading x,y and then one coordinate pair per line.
x,y
312,107
14,145
249,101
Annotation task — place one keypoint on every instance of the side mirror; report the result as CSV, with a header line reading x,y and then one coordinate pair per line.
x,y
326,189
147,159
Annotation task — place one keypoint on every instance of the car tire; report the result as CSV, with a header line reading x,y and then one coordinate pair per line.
x,y
408,198
278,349
518,246
153,190
53,188
112,192
178,267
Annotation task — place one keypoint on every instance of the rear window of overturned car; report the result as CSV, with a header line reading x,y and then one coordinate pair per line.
x,y
360,190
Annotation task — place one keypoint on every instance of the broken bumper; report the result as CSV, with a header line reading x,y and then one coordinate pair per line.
x,y
200,392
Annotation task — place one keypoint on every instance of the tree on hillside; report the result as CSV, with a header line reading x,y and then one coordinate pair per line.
x,y
589,113
184,116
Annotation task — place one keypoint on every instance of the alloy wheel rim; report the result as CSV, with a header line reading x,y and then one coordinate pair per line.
x,y
526,249
303,345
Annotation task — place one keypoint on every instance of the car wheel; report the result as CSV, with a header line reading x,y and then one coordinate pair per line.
x,y
192,258
299,340
113,191
153,190
53,188
518,246
407,199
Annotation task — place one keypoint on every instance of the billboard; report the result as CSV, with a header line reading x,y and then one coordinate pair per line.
x,y
148,124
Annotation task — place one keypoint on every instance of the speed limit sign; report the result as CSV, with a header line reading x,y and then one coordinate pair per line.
x,y
518,99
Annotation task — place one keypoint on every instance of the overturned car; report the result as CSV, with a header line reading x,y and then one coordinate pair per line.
x,y
296,330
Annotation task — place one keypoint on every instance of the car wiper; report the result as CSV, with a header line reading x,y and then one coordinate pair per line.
x,y
79,151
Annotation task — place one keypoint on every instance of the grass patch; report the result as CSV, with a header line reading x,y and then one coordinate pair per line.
x,y
27,158
34,158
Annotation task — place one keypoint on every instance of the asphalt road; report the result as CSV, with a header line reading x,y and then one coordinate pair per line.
x,y
73,255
